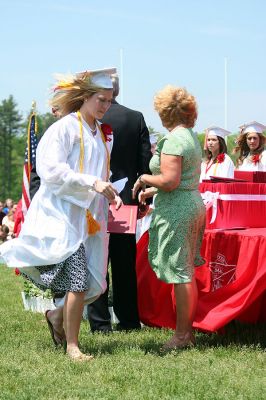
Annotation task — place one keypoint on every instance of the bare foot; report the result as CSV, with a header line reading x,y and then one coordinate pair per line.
x,y
179,341
76,355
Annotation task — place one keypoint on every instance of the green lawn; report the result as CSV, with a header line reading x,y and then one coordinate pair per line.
x,y
126,365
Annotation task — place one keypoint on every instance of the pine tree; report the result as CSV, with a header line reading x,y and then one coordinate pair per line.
x,y
10,129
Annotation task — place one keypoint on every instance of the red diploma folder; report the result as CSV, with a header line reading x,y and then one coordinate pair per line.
x,y
123,220
215,179
251,176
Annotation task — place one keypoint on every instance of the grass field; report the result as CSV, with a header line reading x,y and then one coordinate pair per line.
x,y
126,365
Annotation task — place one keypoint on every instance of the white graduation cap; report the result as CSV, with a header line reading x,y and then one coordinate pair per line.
x,y
253,127
100,77
153,138
217,131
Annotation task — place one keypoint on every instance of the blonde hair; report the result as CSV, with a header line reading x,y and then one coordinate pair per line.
x,y
242,146
176,106
71,91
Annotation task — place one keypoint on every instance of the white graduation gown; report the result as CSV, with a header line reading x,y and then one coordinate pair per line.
x,y
248,165
55,224
224,169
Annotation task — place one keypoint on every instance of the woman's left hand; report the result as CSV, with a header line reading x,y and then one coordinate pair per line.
x,y
146,194
137,186
118,202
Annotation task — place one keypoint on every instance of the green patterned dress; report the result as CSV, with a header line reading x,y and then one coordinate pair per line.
x,y
178,219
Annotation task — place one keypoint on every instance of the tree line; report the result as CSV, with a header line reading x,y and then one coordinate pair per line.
x,y
13,137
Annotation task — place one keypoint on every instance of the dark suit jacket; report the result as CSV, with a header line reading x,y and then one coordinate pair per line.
x,y
131,151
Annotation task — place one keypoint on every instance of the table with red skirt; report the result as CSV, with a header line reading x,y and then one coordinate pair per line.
x,y
232,282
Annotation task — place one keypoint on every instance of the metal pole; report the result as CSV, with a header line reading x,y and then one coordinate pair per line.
x,y
225,93
121,78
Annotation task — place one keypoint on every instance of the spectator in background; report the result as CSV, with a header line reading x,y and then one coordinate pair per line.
x,y
18,218
9,221
8,205
4,231
153,141
216,162
2,213
250,146
130,158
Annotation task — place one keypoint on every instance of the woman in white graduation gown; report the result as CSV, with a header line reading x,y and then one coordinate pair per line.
x,y
250,146
216,161
63,241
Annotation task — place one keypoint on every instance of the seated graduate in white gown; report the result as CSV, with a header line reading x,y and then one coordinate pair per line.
x,y
216,161
250,145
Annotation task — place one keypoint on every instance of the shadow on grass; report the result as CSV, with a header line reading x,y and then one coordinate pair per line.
x,y
150,340
144,340
236,335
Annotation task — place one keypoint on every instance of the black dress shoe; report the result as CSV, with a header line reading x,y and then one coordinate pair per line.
x,y
104,331
127,328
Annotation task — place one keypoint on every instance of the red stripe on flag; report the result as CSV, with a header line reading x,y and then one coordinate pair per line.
x,y
25,190
29,163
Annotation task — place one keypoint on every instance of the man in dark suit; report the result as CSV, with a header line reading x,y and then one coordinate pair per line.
x,y
130,158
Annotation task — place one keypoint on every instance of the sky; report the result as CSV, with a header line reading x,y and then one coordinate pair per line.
x,y
216,49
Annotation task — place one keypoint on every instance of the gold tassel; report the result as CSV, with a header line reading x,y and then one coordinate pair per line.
x,y
93,225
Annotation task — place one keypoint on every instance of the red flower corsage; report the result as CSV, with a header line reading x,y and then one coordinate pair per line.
x,y
255,158
220,158
107,131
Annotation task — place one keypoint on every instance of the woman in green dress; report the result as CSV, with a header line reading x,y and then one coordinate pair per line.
x,y
178,220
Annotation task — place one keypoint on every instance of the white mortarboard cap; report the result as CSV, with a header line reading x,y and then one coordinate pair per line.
x,y
153,138
100,77
253,127
215,130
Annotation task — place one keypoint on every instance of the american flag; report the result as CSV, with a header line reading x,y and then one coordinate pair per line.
x,y
29,162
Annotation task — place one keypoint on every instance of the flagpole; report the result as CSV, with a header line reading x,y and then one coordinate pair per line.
x,y
225,93
121,79
29,159
33,106
33,113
